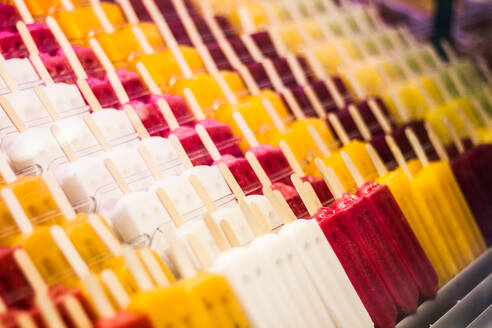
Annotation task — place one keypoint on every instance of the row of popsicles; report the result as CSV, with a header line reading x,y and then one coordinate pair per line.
x,y
369,247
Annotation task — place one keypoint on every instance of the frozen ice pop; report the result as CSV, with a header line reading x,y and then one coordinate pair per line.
x,y
346,240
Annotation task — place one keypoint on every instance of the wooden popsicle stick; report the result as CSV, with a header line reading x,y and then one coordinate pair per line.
x,y
231,181
143,281
309,190
41,69
170,208
16,210
142,40
151,164
104,234
294,164
63,144
59,196
147,78
48,311
359,90
29,270
115,173
26,37
258,169
250,45
277,120
293,104
12,114
130,14
179,253
168,114
47,104
354,171
96,132
248,79
115,288
97,295
320,143
245,130
258,224
202,193
67,5
110,72
208,142
380,117
193,103
25,320
101,16
262,221
417,146
24,12
154,268
216,232
273,74
89,95
168,36
183,157
69,252
306,199
359,122
400,159
197,249
5,169
453,134
331,180
3,307
376,160
136,122
7,79
337,126
472,134
246,20
402,111
229,233
67,48
449,51
285,212
76,312
436,143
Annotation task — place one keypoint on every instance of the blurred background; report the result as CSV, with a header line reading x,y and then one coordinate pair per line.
x,y
466,23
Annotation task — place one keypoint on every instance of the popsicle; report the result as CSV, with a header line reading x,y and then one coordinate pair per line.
x,y
469,181
393,220
345,238
15,290
417,214
33,196
460,222
50,261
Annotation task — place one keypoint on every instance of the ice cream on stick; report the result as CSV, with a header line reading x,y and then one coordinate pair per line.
x,y
344,236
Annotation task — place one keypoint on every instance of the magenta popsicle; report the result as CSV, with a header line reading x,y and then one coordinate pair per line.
x,y
406,243
345,239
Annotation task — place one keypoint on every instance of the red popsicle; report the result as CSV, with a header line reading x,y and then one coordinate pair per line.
x,y
405,242
344,237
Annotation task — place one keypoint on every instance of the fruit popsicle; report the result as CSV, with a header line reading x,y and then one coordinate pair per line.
x,y
417,214
469,181
51,262
345,238
460,222
15,290
393,221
